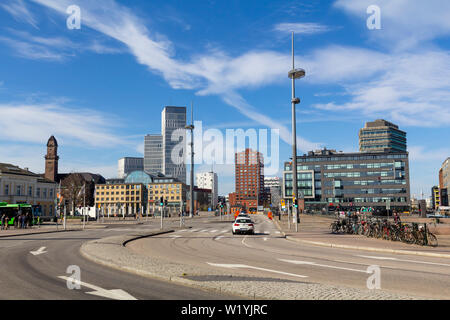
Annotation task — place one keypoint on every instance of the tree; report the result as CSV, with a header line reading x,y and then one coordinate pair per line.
x,y
72,189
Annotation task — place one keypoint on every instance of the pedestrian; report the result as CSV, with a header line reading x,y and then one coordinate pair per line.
x,y
6,222
3,221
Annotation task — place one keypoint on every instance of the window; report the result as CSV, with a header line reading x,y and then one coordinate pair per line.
x,y
30,191
38,192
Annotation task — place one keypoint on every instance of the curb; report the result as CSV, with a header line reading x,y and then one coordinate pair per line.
x,y
145,273
33,233
342,246
43,232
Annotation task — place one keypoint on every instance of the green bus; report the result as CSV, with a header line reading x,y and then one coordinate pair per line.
x,y
12,211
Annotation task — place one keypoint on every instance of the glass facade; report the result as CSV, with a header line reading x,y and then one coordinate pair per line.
x,y
174,142
355,179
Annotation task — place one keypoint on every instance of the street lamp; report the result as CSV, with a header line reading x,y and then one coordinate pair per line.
x,y
294,74
191,128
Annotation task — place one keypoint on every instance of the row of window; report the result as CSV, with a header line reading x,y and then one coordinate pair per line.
x,y
375,199
351,158
45,193
132,199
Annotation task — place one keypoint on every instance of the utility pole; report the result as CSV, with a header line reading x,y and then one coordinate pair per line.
x,y
294,74
191,128
84,204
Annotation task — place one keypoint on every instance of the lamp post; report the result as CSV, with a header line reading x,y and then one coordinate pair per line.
x,y
294,74
191,127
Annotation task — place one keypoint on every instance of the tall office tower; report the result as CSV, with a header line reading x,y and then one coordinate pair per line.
x,y
153,154
249,176
208,180
381,136
173,123
129,164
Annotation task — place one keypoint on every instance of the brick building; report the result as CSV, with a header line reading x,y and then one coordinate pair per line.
x,y
249,179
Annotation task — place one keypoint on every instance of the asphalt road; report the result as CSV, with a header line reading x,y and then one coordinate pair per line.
x,y
27,276
210,243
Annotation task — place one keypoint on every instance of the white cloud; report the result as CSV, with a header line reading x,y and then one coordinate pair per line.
x,y
404,24
412,89
34,47
307,28
251,69
35,123
19,11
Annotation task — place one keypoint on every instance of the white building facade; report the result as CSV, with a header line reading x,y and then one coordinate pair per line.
x,y
209,180
19,185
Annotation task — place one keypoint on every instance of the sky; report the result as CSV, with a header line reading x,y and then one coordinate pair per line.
x,y
100,88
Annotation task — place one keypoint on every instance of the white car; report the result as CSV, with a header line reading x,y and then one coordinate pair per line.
x,y
243,225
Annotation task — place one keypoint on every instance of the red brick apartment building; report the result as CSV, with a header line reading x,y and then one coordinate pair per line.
x,y
249,180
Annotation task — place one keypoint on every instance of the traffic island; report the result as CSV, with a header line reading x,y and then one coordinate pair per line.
x,y
112,252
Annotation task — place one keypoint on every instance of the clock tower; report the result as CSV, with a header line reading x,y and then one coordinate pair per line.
x,y
51,160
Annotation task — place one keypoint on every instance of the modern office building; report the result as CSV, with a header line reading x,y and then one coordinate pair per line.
x,y
129,164
351,180
444,183
19,185
208,180
249,179
173,123
381,136
153,154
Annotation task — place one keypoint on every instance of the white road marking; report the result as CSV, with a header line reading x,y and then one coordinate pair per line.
x,y
403,260
205,230
194,230
225,230
277,232
219,237
116,294
175,236
321,265
232,266
213,231
265,238
41,250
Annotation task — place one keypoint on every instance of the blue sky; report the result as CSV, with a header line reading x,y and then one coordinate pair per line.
x,y
100,89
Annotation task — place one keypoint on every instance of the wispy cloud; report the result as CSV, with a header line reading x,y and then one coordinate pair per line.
x,y
58,48
19,10
405,24
157,53
306,28
35,123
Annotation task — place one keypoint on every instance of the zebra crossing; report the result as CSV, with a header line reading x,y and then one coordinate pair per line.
x,y
222,231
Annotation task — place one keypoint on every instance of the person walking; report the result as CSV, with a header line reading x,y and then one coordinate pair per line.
x,y
3,221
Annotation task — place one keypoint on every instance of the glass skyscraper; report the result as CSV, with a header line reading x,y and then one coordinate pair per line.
x,y
153,154
173,123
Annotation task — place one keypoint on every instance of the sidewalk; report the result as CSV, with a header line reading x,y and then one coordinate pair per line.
x,y
316,230
46,228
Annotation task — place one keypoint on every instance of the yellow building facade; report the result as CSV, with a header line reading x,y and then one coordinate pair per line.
x,y
120,199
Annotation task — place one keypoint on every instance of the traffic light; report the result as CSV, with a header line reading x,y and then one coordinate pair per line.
x,y
165,202
161,201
